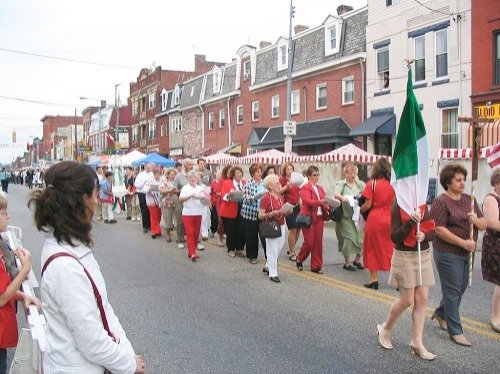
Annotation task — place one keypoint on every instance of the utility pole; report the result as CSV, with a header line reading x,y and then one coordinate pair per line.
x,y
289,127
76,140
117,107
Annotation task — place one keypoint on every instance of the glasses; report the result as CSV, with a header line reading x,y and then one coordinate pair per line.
x,y
5,214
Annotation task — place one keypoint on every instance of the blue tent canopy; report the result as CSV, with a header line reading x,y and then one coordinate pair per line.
x,y
155,158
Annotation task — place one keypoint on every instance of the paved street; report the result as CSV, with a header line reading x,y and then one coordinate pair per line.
x,y
223,315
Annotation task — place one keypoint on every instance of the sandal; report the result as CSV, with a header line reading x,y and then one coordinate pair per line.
x,y
292,256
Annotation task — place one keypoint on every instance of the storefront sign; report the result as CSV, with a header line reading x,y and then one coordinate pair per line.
x,y
488,111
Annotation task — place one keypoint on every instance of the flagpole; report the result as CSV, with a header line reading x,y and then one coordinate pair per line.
x,y
418,241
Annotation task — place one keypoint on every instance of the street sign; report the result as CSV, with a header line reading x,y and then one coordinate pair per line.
x,y
289,128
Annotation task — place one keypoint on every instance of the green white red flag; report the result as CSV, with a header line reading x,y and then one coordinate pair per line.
x,y
410,160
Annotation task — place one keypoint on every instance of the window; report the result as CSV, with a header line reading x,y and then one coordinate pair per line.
x,y
143,103
348,90
441,53
135,134
333,28
192,91
239,114
450,136
175,125
282,56
496,57
420,58
164,100
222,118
391,2
152,130
275,106
217,78
295,102
135,107
383,68
211,120
255,110
151,101
321,96
177,96
246,70
161,130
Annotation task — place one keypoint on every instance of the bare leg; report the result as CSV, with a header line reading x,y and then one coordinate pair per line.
x,y
418,315
406,297
495,308
347,261
373,275
293,235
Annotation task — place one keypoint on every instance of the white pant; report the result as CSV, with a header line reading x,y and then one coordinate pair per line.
x,y
205,222
273,249
107,211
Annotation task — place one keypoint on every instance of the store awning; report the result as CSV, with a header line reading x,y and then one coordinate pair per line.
x,y
490,134
382,124
231,149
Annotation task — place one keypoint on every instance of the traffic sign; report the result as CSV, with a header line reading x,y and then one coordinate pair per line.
x,y
289,128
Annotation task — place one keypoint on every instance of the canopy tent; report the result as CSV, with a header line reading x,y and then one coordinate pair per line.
x,y
271,156
348,152
220,158
96,161
126,160
155,158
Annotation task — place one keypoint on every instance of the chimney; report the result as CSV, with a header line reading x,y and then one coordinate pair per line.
x,y
342,9
263,44
300,28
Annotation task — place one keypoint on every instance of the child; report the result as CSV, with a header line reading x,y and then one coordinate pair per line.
x,y
9,289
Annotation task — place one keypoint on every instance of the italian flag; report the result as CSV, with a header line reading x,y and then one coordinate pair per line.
x,y
410,160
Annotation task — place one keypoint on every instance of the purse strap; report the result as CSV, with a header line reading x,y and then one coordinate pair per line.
x,y
97,295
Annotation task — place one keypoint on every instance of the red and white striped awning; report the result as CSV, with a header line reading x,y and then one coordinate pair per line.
x,y
463,153
220,158
347,153
271,156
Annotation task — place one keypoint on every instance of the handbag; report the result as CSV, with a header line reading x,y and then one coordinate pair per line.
x,y
269,229
303,220
362,199
337,213
97,295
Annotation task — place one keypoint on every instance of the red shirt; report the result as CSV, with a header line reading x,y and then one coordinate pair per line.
x,y
8,321
270,203
291,195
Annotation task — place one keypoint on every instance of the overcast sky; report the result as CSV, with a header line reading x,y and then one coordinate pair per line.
x,y
127,35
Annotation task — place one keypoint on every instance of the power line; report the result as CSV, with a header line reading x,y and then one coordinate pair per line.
x,y
34,101
452,14
69,59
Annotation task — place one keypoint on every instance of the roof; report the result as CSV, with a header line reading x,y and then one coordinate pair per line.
x,y
382,124
309,48
331,130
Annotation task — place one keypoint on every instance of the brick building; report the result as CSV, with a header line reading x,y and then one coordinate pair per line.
x,y
54,130
486,67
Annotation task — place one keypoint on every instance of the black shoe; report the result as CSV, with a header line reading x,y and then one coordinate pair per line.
x,y
359,265
299,266
106,221
349,267
145,230
274,279
129,218
317,271
153,236
265,270
373,285
112,221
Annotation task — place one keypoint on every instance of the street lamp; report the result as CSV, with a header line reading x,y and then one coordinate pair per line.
x,y
117,107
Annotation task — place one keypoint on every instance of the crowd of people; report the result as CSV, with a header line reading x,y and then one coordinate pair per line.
x,y
269,209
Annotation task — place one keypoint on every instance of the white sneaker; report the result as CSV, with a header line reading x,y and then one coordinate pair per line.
x,y
180,246
200,247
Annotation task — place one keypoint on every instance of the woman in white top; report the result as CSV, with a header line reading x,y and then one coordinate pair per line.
x,y
195,198
77,340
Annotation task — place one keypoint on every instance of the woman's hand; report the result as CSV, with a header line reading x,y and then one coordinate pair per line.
x,y
469,245
416,216
30,300
140,366
420,236
472,217
24,257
